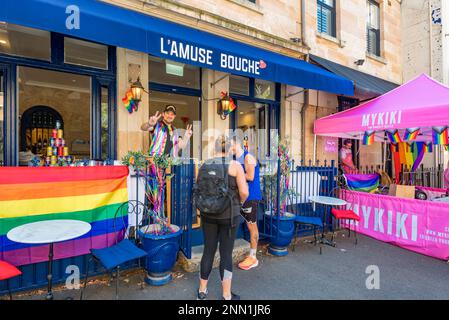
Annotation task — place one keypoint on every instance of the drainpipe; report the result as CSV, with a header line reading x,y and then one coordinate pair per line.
x,y
306,92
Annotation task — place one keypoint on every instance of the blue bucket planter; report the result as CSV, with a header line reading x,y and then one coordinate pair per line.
x,y
279,241
162,254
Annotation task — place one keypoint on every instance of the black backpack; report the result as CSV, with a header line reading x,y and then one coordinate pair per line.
x,y
211,193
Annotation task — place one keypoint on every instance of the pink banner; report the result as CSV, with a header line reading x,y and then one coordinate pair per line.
x,y
416,225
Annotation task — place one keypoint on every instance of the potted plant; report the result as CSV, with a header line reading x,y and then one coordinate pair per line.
x,y
159,237
279,223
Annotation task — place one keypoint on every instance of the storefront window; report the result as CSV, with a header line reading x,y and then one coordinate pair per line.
x,y
264,90
239,85
104,123
26,42
173,73
85,53
2,103
46,96
187,111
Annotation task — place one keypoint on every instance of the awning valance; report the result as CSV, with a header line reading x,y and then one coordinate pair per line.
x,y
113,25
364,83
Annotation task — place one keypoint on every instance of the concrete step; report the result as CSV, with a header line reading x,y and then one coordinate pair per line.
x,y
241,250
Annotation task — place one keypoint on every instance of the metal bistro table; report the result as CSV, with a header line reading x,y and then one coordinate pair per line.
x,y
49,232
327,201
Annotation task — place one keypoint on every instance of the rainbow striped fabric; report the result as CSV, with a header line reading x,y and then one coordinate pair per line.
x,y
394,136
368,138
90,194
440,136
363,182
411,134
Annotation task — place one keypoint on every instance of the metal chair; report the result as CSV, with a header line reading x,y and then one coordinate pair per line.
x,y
307,217
111,258
8,271
343,214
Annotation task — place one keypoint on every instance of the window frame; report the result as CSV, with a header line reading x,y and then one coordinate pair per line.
x,y
333,10
370,30
10,63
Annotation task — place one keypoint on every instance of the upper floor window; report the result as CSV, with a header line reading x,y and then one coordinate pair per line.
x,y
373,28
163,71
22,41
326,21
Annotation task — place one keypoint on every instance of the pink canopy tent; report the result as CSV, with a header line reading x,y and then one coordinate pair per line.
x,y
420,103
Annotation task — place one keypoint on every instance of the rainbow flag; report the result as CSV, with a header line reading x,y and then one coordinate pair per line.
x,y
394,136
394,147
428,147
411,134
446,147
409,157
363,182
440,136
129,102
90,194
368,138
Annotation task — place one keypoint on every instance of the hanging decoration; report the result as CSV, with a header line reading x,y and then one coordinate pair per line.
x,y
394,147
393,136
368,138
129,102
446,147
428,147
411,134
440,136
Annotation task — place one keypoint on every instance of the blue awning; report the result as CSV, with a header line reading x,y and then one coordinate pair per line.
x,y
113,25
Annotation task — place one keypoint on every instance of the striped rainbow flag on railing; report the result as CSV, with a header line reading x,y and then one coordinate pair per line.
x,y
363,182
90,194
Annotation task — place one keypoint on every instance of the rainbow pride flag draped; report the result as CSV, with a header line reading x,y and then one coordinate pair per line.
x,y
409,157
90,194
363,182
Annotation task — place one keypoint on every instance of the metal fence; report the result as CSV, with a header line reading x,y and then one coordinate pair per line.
x,y
306,178
425,177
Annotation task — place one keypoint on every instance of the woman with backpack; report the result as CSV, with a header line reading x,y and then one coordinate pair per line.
x,y
220,191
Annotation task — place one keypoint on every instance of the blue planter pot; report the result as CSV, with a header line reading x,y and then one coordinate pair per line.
x,y
162,254
279,241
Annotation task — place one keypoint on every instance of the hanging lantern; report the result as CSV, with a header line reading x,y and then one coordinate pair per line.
x,y
223,105
137,89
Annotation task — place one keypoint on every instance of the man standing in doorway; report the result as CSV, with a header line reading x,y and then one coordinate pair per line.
x,y
163,140
346,161
251,205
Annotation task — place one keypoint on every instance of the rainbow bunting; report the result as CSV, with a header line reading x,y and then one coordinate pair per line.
x,y
368,138
440,136
446,147
411,134
428,147
394,136
90,194
394,147
129,102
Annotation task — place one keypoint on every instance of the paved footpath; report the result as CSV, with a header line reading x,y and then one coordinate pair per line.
x,y
339,273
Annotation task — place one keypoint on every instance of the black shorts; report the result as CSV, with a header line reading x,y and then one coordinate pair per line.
x,y
249,211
